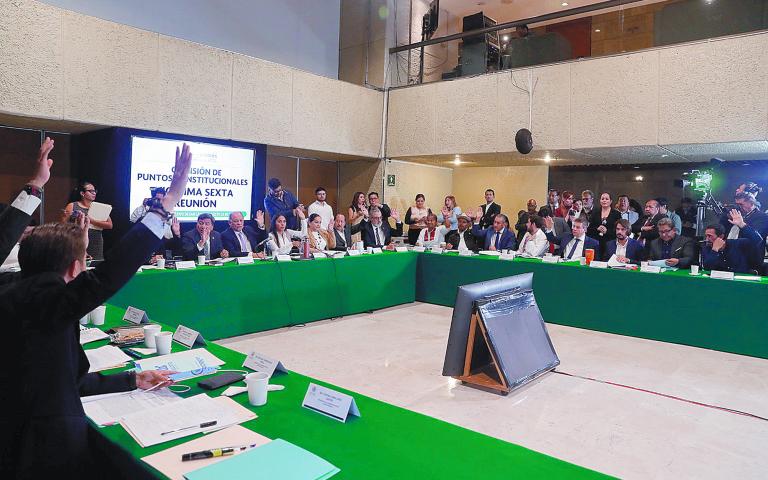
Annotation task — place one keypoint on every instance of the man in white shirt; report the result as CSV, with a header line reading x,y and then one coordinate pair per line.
x,y
432,236
461,239
321,208
535,242
625,212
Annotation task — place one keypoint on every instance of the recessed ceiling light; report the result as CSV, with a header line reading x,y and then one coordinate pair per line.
x,y
547,158
664,155
565,4
639,178
636,166
505,38
457,161
597,30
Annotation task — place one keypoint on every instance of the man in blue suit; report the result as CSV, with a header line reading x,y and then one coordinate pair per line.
x,y
572,245
203,240
733,254
240,240
496,237
626,249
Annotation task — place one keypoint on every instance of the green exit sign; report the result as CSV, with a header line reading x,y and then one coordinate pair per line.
x,y
390,180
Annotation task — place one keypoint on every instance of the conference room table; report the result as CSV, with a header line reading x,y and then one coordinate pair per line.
x,y
672,307
385,442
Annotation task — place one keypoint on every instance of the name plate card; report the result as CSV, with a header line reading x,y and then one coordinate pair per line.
x,y
262,363
134,315
401,249
437,250
185,264
596,264
419,249
465,253
244,260
376,250
188,337
354,253
283,258
650,269
721,275
330,403
550,259
507,256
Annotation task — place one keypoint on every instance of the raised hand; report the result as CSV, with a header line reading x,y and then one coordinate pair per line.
x,y
736,218
300,213
180,177
549,222
259,218
43,164
395,214
176,227
446,212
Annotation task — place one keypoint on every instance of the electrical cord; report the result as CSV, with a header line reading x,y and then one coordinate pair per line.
x,y
665,395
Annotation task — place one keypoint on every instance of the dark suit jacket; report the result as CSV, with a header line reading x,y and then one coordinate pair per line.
x,y
489,214
737,256
595,220
506,242
453,238
189,244
651,234
755,219
345,242
634,250
43,429
231,244
369,238
12,224
567,237
682,248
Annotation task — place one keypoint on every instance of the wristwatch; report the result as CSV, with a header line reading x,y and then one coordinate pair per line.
x,y
33,190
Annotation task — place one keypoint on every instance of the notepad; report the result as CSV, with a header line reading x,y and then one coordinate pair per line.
x,y
197,359
106,357
276,459
100,212
88,335
110,408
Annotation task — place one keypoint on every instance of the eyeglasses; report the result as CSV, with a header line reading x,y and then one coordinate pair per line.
x,y
91,191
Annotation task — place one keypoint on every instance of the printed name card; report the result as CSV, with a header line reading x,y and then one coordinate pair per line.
x,y
188,337
596,264
283,258
419,249
354,253
185,264
507,256
244,260
330,403
437,250
721,275
262,363
650,269
401,249
376,250
550,259
465,253
134,315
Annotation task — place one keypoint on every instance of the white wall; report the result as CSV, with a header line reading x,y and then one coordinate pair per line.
x,y
299,33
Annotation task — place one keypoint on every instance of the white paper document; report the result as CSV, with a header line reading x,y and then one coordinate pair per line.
x,y
109,409
613,262
190,360
106,357
88,335
183,418
100,212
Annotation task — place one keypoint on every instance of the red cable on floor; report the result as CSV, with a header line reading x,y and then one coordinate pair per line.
x,y
724,409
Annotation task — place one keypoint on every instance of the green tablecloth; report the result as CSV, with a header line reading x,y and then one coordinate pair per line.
x,y
233,299
671,307
386,442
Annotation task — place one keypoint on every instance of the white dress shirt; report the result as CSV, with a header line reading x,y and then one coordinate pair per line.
x,y
534,245
324,210
437,236
462,244
579,252
621,250
285,239
630,216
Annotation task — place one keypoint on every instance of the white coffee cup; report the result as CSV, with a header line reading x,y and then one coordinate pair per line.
x,y
163,342
149,335
98,314
201,259
359,246
582,261
84,320
643,264
257,388
695,269
160,263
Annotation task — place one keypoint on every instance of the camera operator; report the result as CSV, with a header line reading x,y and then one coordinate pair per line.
x,y
139,212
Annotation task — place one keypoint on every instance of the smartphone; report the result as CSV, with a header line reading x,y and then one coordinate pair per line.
x,y
220,380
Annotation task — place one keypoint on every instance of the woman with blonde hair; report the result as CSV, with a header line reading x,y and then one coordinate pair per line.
x,y
451,211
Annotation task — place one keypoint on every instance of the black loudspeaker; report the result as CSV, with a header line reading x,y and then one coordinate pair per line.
x,y
524,141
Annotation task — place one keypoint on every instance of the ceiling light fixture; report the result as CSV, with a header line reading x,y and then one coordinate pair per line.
x,y
457,161
639,178
565,4
505,38
547,158
597,30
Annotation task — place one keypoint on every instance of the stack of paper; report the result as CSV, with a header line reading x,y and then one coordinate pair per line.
x,y
108,409
106,357
88,335
186,361
276,459
186,417
168,462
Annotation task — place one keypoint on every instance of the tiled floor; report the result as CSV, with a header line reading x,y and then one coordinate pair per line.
x,y
396,355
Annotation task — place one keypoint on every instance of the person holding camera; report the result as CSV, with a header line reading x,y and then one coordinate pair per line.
x,y
139,212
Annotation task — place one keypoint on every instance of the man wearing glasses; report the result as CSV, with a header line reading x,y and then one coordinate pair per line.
x,y
676,250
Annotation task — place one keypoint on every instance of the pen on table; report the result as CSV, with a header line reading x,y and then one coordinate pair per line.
x,y
214,452
202,425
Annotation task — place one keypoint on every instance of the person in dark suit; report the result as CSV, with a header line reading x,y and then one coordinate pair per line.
x,y
676,250
559,225
203,240
750,213
462,238
645,226
496,237
374,201
490,209
43,429
240,240
378,234
573,244
733,254
342,232
626,249
602,220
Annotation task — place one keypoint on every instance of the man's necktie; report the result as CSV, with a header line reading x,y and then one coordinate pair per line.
x,y
242,241
207,250
496,243
376,233
573,248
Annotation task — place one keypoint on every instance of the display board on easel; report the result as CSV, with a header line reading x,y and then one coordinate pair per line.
x,y
498,339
